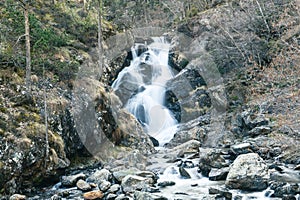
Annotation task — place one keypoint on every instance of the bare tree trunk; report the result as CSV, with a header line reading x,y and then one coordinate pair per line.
x,y
46,126
28,58
100,64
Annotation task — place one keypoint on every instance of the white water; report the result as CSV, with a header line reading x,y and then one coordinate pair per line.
x,y
148,104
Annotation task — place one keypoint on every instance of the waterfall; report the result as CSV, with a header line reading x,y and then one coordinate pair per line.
x,y
149,71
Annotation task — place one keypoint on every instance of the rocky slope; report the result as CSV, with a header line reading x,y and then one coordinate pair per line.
x,y
236,94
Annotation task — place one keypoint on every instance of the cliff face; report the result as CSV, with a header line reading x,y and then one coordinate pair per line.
x,y
253,45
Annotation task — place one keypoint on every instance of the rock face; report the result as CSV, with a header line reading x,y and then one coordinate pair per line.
x,y
248,172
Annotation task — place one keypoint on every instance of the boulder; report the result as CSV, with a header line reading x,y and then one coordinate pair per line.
x,y
147,196
248,172
93,195
99,176
104,185
130,183
222,192
83,185
70,181
17,197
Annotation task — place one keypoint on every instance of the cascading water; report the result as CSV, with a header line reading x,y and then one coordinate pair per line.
x,y
147,104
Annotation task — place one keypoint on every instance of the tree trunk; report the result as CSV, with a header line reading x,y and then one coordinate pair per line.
x,y
28,58
100,65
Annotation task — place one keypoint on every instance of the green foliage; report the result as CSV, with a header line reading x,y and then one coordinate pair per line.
x,y
45,38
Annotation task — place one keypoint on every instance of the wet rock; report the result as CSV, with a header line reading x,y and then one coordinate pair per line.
x,y
99,176
189,147
177,61
111,196
56,197
114,188
218,174
248,172
83,185
154,141
184,173
284,189
122,197
120,174
93,195
148,196
17,197
104,185
166,183
211,158
284,175
222,192
242,148
130,183
70,181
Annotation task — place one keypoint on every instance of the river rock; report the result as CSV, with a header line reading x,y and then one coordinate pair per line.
x,y
184,173
248,172
147,196
122,197
93,195
83,185
242,148
100,175
211,158
284,175
104,185
166,183
70,181
17,197
284,189
130,183
218,174
223,192
111,196
114,188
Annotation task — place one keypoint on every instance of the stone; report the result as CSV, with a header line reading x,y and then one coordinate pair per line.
x,y
261,130
242,148
147,196
93,195
184,173
166,183
284,175
56,197
218,174
223,192
211,158
111,196
122,197
83,185
130,183
284,189
114,188
248,172
99,176
17,197
104,185
70,181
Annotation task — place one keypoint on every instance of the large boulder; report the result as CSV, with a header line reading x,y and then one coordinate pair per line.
x,y
248,172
